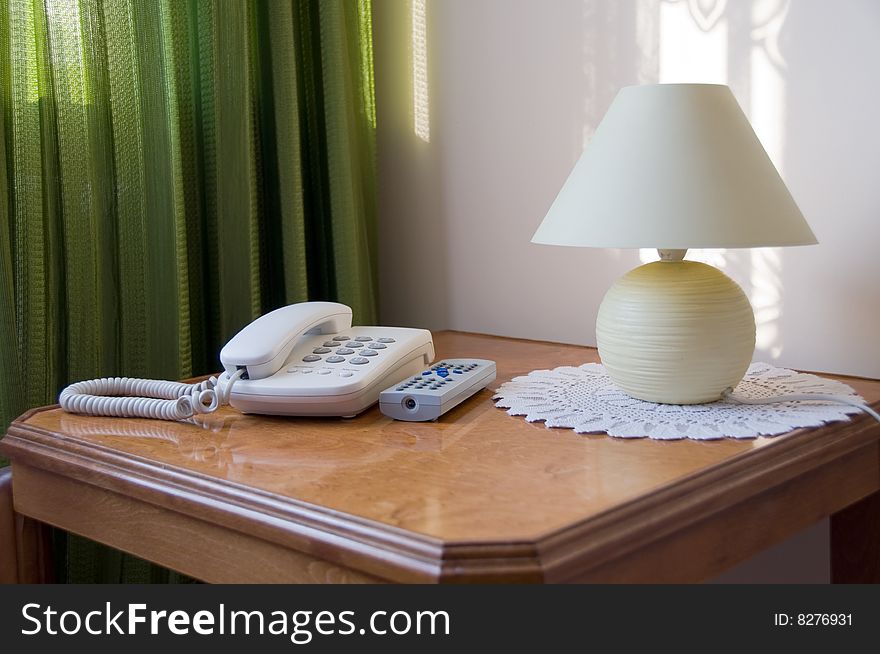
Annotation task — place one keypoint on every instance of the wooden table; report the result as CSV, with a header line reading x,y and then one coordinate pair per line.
x,y
477,496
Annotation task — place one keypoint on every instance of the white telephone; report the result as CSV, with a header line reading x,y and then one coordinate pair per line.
x,y
307,360
300,360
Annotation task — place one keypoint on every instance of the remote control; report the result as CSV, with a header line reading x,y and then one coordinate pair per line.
x,y
435,391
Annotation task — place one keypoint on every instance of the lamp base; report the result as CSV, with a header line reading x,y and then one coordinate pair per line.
x,y
675,332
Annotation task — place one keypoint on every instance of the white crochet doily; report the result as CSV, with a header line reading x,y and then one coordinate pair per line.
x,y
585,399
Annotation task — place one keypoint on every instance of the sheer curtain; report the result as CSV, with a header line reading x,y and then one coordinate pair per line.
x,y
174,168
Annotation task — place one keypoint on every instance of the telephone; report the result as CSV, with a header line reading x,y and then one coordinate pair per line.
x,y
304,359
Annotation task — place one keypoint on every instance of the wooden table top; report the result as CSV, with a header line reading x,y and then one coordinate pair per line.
x,y
478,483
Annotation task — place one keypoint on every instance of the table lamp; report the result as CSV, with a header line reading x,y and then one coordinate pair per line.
x,y
672,167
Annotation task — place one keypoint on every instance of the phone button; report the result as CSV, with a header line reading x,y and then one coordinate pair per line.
x,y
376,346
358,361
334,359
363,339
342,338
330,344
385,339
306,371
309,358
321,350
368,353
346,373
324,371
344,350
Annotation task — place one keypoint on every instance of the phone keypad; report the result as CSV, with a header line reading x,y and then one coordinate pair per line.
x,y
343,346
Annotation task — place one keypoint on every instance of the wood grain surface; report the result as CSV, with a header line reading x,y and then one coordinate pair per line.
x,y
476,496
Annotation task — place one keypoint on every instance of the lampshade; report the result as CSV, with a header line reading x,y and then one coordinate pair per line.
x,y
674,166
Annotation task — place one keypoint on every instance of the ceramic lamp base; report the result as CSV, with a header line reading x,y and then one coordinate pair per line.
x,y
675,332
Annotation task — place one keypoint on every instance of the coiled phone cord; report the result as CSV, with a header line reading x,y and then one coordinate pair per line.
x,y
127,397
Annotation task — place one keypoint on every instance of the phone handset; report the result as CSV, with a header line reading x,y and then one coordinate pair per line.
x,y
263,346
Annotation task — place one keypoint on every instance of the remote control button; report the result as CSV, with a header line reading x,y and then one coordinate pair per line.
x,y
321,350
345,350
359,361
306,371
346,373
443,372
334,359
324,371
341,338
311,357
399,388
330,344
352,344
363,339
385,339
457,372
426,373
368,353
375,346
415,379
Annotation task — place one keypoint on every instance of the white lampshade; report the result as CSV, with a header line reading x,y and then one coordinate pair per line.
x,y
674,166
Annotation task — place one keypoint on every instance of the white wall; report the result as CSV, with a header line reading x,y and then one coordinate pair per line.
x,y
516,88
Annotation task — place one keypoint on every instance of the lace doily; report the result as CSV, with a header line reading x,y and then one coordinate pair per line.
x,y
585,399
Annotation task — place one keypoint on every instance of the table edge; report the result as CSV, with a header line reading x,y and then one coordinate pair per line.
x,y
400,554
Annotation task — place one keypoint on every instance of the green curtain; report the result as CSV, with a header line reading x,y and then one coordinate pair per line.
x,y
173,169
